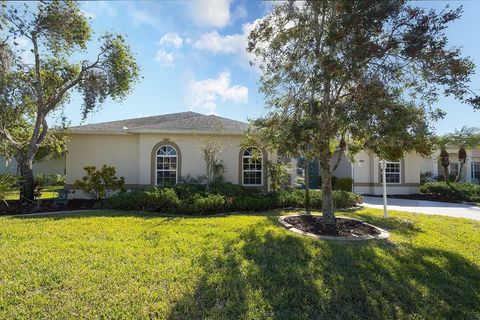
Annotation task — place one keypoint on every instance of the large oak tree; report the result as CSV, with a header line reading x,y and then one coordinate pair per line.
x,y
56,35
369,71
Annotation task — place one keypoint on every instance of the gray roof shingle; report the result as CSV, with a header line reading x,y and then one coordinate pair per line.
x,y
181,121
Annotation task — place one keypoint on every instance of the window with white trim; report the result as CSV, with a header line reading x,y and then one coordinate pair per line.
x,y
475,170
252,167
392,172
167,168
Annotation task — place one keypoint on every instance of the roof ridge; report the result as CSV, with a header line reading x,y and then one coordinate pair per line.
x,y
146,117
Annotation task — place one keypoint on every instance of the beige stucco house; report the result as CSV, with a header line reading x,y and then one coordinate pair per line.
x,y
150,151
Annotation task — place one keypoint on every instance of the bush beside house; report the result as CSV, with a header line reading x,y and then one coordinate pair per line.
x,y
193,198
454,191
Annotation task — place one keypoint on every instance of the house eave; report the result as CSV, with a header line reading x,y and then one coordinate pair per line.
x,y
152,131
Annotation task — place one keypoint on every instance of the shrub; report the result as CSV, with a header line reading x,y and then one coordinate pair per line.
x,y
97,183
231,190
162,200
255,202
224,197
344,199
188,189
157,199
209,204
454,191
8,184
343,184
51,179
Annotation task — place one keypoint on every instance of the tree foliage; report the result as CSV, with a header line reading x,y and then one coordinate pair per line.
x,y
98,183
369,71
40,68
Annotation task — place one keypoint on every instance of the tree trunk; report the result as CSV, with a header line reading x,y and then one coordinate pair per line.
x,y
328,210
445,172
307,187
459,174
27,183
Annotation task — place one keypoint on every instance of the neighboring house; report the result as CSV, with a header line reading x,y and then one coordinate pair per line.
x,y
470,171
52,166
150,151
403,177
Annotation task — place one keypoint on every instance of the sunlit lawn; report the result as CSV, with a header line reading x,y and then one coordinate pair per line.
x,y
49,192
122,265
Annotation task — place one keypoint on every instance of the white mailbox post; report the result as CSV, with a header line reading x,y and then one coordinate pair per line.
x,y
383,166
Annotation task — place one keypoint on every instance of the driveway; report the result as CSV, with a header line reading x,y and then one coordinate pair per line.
x,y
457,210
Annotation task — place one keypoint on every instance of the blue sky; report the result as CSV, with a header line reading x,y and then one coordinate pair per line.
x,y
192,58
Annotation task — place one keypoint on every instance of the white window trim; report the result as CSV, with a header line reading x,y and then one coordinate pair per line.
x,y
261,170
399,172
472,169
165,156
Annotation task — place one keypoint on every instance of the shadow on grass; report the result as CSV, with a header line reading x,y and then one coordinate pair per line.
x,y
107,213
271,274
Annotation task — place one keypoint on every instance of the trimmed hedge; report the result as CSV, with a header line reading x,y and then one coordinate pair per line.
x,y
342,184
190,198
453,191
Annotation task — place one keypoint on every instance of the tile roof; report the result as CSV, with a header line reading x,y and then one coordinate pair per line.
x,y
177,122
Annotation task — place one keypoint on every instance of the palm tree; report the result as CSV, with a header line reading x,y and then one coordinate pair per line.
x,y
442,142
467,137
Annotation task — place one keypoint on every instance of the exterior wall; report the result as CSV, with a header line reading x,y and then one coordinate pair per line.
x,y
120,151
52,166
192,162
367,180
344,169
132,156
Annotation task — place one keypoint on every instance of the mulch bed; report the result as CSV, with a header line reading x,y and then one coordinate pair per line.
x,y
16,207
344,227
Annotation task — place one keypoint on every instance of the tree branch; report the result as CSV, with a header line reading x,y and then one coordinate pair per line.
x,y
52,102
38,66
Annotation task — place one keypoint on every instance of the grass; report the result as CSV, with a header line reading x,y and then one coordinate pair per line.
x,y
121,265
49,192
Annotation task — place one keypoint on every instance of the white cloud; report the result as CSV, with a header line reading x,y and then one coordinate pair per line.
x,y
171,38
216,43
141,17
212,13
99,8
164,58
206,94
234,44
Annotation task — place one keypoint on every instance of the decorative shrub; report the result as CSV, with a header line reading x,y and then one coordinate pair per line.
x,y
97,183
210,204
454,191
342,184
188,198
50,179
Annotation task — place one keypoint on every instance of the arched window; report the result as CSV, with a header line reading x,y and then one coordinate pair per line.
x,y
252,167
167,165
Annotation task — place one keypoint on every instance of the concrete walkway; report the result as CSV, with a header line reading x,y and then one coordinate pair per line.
x,y
457,210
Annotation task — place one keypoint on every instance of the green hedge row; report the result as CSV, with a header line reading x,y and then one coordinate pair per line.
x,y
453,191
188,198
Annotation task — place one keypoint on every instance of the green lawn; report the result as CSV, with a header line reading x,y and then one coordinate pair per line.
x,y
50,192
121,265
